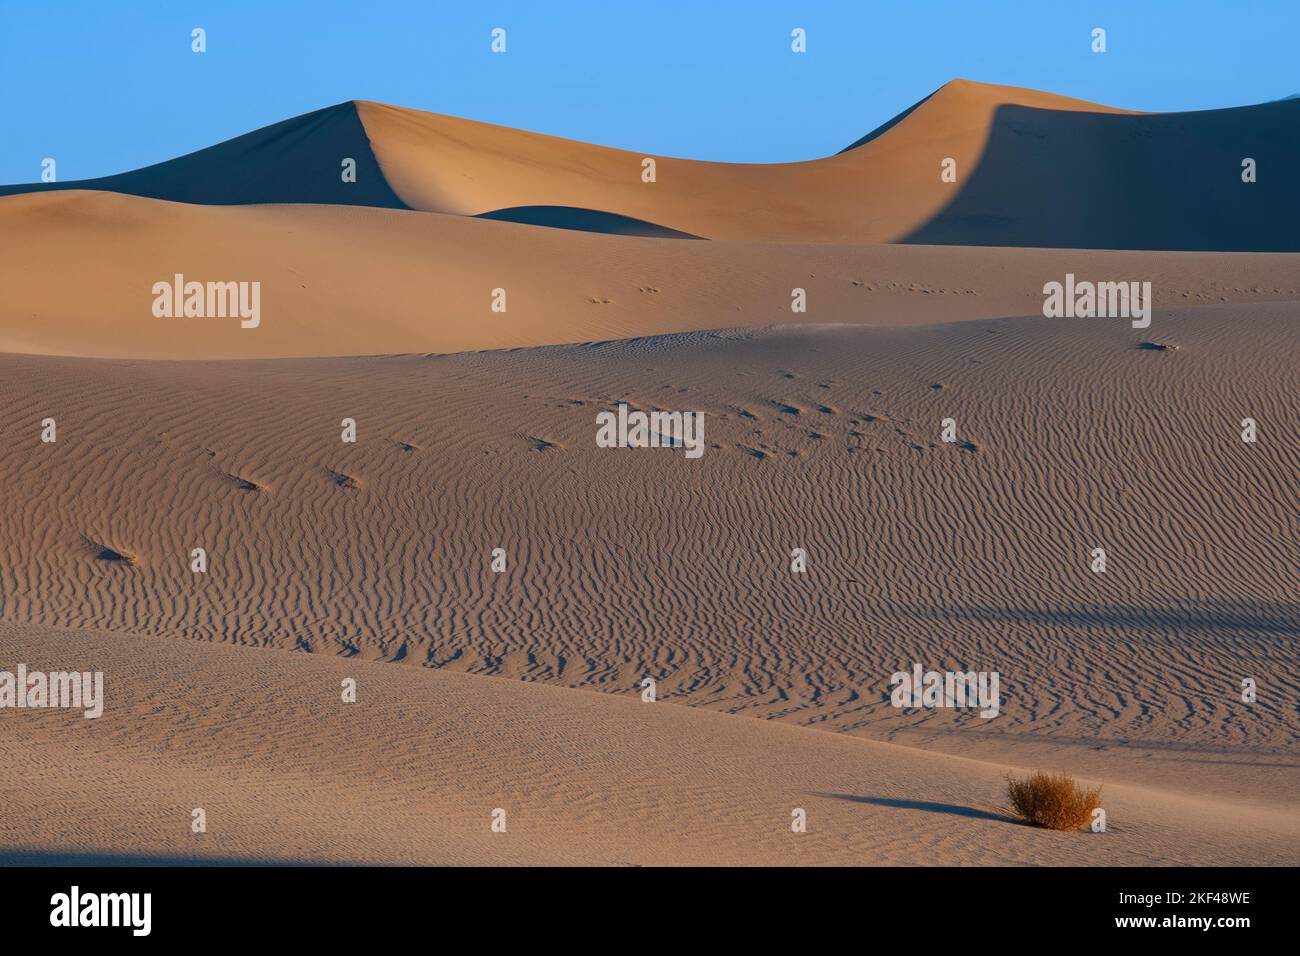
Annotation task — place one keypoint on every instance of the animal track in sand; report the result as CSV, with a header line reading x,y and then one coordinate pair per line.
x,y
909,287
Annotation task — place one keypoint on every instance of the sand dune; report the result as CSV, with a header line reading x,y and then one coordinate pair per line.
x,y
476,431
641,563
349,281
413,771
297,160
1033,169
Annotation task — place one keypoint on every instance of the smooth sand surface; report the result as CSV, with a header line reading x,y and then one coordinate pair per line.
x,y
339,280
476,430
413,771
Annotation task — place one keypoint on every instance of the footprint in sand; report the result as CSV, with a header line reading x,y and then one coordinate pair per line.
x,y
243,484
344,480
103,552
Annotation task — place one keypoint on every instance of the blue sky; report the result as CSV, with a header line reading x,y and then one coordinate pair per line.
x,y
108,85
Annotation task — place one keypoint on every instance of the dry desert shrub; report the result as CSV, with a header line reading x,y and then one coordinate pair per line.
x,y
1053,800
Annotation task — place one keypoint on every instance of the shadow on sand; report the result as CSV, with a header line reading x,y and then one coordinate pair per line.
x,y
952,809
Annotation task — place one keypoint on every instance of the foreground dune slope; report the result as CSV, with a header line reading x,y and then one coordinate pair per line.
x,y
1032,169
343,280
624,564
413,771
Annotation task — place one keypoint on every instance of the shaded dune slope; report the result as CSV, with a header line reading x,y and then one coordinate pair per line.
x,y
1153,181
584,220
1034,169
298,160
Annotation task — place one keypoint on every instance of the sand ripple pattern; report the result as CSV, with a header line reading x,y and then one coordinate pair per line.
x,y
624,564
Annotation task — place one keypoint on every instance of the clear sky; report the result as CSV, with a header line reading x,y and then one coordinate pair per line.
x,y
109,85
